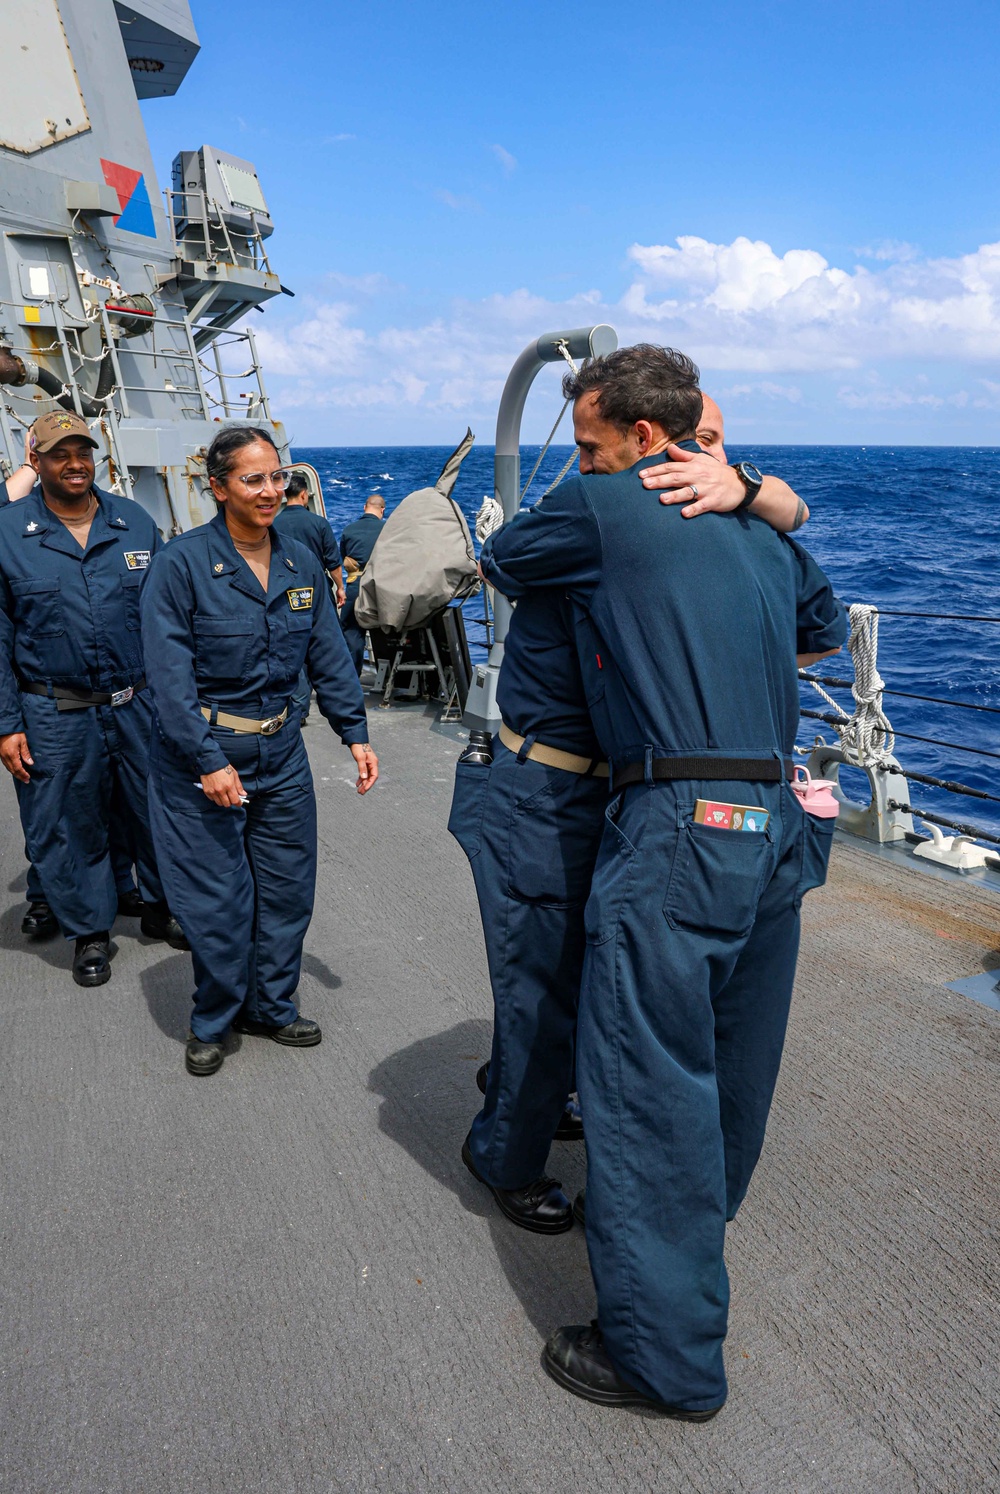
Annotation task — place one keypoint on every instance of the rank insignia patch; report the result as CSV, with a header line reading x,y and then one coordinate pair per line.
x,y
137,560
300,598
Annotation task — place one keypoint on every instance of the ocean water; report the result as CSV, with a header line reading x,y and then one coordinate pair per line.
x,y
910,529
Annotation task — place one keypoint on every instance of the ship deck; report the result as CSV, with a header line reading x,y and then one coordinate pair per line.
x,y
283,1278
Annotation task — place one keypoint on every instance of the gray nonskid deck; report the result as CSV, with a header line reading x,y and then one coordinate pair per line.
x,y
283,1278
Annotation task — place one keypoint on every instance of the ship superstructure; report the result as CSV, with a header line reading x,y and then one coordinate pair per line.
x,y
116,300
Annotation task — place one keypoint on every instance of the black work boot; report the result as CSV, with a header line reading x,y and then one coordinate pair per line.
x,y
570,1127
578,1361
130,903
158,922
541,1206
302,1033
202,1058
92,959
40,921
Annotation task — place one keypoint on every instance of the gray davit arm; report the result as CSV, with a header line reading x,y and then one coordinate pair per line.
x,y
481,714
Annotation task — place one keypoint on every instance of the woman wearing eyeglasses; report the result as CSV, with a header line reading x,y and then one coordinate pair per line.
x,y
230,614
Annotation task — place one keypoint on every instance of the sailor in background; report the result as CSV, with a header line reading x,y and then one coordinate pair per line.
x,y
356,545
39,921
232,612
75,720
531,823
298,522
686,636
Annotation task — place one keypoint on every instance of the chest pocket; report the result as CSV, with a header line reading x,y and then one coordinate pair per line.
x,y
130,588
39,607
298,627
222,647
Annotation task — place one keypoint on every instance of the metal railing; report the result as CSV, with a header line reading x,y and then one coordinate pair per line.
x,y
205,393
200,232
945,784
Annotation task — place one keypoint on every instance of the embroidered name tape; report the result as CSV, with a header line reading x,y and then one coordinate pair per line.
x,y
137,560
300,598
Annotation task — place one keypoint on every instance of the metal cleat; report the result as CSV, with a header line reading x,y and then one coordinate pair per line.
x,y
957,851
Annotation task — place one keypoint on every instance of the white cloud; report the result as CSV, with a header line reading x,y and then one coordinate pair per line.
x,y
900,399
888,249
458,203
741,305
507,161
739,309
766,389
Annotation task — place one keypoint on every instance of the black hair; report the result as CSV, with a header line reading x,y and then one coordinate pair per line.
x,y
221,456
295,485
644,382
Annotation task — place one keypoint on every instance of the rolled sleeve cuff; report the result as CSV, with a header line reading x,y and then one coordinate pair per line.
x,y
355,736
10,724
211,759
819,640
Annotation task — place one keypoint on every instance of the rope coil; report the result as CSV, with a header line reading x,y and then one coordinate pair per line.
x,y
489,518
867,735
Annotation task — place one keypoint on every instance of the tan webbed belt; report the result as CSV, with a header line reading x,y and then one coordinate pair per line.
x,y
244,725
554,757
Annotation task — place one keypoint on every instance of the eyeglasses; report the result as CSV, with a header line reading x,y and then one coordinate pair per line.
x,y
254,481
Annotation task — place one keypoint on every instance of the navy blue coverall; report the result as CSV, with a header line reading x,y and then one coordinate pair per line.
x,y
531,834
240,880
69,617
357,543
296,522
687,634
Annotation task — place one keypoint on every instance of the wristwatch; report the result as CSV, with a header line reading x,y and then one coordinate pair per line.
x,y
751,479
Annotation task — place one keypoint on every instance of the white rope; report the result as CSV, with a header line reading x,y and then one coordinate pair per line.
x,y
573,456
490,515
489,518
563,347
867,734
544,451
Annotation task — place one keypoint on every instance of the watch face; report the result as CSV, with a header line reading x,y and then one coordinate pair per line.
x,y
751,472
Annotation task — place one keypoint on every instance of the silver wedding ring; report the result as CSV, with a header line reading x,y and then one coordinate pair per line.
x,y
694,491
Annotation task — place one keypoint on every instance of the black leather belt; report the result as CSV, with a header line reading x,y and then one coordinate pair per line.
x,y
68,698
709,769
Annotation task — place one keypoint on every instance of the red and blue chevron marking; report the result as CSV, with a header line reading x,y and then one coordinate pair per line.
x,y
136,214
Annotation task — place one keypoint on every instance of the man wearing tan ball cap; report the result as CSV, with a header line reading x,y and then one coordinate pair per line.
x,y
59,425
75,718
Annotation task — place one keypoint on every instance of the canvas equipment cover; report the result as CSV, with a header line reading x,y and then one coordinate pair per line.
x,y
423,558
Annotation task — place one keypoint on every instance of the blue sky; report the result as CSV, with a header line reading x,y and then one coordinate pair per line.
x,y
804,197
